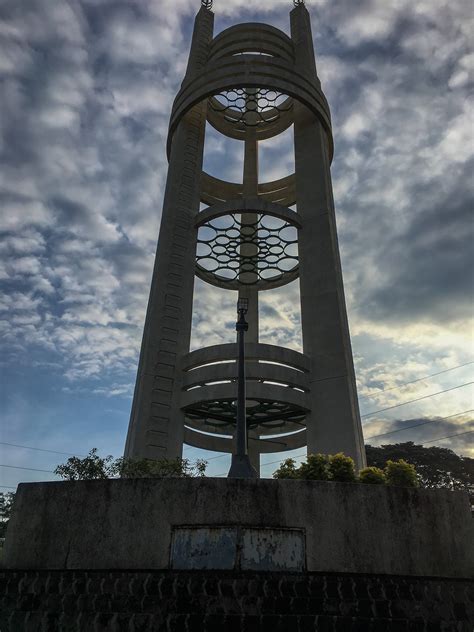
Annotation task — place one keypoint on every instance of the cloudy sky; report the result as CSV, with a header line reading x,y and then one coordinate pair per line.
x,y
86,92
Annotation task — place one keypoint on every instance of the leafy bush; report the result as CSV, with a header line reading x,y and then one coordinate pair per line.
x,y
372,476
164,468
94,467
90,467
435,467
341,468
6,504
316,468
401,474
286,470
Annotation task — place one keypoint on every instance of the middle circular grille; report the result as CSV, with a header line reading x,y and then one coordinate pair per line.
x,y
247,249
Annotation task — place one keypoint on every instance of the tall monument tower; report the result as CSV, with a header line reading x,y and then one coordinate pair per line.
x,y
250,82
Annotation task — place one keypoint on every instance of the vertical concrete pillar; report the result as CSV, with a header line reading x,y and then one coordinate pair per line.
x,y
334,424
157,423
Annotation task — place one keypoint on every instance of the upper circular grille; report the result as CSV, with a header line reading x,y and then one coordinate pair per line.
x,y
251,107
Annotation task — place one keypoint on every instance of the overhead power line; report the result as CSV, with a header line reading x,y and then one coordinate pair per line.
x,y
29,447
373,436
449,436
423,423
31,469
420,379
411,401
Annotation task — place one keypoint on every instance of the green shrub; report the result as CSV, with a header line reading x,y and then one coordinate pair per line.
x,y
286,470
316,468
401,474
88,468
341,468
94,467
372,476
164,468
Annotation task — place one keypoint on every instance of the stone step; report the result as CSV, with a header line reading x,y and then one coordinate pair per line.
x,y
132,601
46,621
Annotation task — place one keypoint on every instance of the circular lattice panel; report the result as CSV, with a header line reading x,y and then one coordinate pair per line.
x,y
251,107
221,414
247,249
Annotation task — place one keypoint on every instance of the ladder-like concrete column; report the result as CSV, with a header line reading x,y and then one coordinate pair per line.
x,y
157,422
334,422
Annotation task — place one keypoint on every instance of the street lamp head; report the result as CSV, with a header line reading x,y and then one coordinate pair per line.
x,y
242,305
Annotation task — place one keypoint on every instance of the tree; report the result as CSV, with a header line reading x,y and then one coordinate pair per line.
x,y
316,468
6,504
287,470
341,468
372,476
94,467
164,468
401,474
436,467
88,468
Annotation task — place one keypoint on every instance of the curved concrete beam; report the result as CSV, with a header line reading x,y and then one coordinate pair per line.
x,y
253,370
248,205
254,390
253,351
252,71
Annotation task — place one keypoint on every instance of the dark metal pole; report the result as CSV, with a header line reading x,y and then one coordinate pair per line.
x,y
241,466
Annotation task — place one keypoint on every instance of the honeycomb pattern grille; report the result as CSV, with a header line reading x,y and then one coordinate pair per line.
x,y
251,107
222,413
247,248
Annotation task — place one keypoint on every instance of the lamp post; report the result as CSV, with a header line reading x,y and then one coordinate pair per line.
x,y
240,466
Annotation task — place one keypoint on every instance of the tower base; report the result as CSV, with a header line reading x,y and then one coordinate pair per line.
x,y
240,524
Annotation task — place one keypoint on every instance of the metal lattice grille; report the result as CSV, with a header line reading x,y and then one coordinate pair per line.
x,y
221,413
248,248
251,106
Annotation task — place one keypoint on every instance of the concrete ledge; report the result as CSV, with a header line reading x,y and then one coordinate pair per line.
x,y
128,524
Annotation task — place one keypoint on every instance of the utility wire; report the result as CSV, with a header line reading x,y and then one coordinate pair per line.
x,y
430,421
411,401
449,436
420,379
28,447
31,469
374,412
371,437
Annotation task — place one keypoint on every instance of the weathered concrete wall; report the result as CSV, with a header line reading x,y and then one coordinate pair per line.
x,y
127,524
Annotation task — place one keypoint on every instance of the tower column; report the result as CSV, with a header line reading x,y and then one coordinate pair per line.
x,y
156,427
334,421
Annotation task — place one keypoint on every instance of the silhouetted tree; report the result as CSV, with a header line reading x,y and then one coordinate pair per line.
x,y
436,467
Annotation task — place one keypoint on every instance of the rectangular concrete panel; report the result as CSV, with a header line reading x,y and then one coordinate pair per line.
x,y
237,548
273,550
194,548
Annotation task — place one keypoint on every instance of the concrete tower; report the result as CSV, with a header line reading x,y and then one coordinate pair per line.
x,y
251,82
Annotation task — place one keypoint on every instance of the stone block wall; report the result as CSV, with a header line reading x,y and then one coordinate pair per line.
x,y
216,601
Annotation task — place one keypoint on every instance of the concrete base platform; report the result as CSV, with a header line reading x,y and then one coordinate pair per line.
x,y
216,601
240,525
